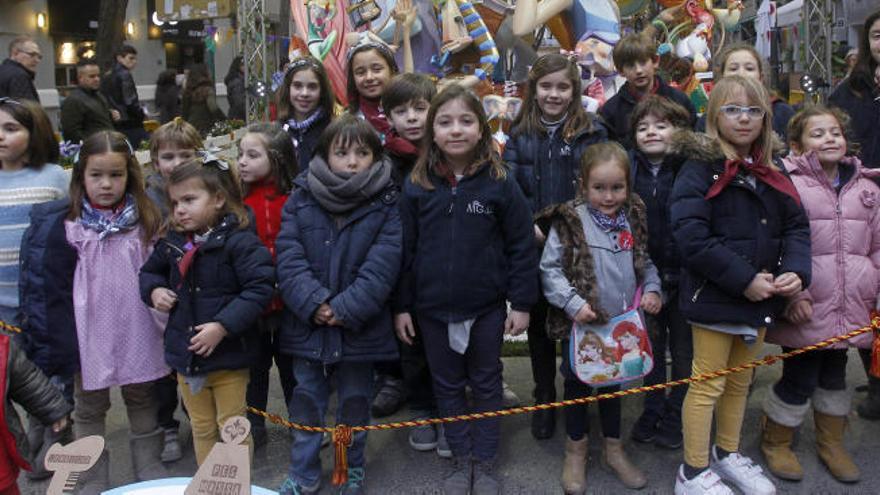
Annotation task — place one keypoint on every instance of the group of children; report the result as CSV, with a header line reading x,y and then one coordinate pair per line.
x,y
332,234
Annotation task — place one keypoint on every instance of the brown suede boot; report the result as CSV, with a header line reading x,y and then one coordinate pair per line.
x,y
614,458
829,446
776,446
574,467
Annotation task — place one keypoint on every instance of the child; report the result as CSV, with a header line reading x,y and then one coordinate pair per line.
x,y
305,106
28,176
407,99
267,165
23,383
468,247
654,120
732,212
549,135
110,225
339,255
743,60
635,56
371,66
840,199
215,278
606,226
171,145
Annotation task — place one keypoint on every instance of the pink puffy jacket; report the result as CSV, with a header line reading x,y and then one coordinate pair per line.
x,y
845,237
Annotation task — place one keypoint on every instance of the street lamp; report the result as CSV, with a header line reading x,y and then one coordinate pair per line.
x,y
41,20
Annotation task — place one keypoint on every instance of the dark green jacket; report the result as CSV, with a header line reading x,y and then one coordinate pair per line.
x,y
83,113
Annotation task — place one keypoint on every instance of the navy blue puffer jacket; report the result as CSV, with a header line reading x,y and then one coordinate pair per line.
x,y
231,281
351,263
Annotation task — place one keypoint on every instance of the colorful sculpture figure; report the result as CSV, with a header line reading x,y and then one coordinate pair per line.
x,y
320,14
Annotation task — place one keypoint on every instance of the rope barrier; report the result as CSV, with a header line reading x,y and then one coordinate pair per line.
x,y
343,434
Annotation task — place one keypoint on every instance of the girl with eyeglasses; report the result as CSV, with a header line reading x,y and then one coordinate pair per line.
x,y
214,277
745,246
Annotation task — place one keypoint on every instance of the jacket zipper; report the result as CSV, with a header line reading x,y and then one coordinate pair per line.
x,y
454,192
697,292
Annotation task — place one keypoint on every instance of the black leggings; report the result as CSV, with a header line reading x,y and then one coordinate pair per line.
x,y
577,422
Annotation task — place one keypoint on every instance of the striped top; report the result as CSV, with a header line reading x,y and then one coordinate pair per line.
x,y
19,190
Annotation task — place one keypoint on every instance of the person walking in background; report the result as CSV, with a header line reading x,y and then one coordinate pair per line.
x,y
199,105
167,96
119,88
17,72
235,88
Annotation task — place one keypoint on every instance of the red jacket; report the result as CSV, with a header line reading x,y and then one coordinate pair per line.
x,y
266,204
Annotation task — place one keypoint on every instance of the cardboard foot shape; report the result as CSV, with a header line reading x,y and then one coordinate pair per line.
x,y
227,469
70,461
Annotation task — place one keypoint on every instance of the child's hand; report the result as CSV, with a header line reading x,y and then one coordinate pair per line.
x,y
787,284
59,425
335,322
323,314
760,288
799,312
163,299
585,314
403,326
539,236
651,303
517,323
207,338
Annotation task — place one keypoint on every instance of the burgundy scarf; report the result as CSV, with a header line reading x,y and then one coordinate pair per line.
x,y
376,117
638,96
772,177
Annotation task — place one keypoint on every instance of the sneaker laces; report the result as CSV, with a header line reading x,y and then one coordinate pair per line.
x,y
355,478
710,481
740,461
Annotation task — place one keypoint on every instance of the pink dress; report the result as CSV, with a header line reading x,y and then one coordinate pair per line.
x,y
120,338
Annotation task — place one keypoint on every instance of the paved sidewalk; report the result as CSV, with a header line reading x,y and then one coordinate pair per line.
x,y
529,466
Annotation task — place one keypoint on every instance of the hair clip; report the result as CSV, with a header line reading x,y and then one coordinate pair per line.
x,y
302,62
366,41
210,159
8,99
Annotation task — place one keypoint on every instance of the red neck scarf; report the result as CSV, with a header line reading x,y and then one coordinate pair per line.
x,y
770,176
637,95
376,117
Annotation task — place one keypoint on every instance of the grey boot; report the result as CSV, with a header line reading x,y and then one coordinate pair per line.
x,y
38,461
145,455
96,481
458,479
485,478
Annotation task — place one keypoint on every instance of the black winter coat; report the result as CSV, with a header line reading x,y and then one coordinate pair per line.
x,y
231,281
351,264
467,248
24,384
864,113
306,142
48,264
119,88
725,241
17,82
656,192
616,111
546,166
83,113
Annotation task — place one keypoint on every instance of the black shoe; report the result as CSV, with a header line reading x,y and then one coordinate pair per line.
x,y
869,408
543,423
260,436
645,429
668,434
389,399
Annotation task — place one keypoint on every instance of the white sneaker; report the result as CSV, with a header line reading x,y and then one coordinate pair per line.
x,y
742,472
707,483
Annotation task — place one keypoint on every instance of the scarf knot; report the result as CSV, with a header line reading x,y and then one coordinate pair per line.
x,y
772,177
608,223
300,128
124,217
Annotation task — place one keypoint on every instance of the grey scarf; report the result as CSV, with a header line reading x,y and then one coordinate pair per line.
x,y
342,193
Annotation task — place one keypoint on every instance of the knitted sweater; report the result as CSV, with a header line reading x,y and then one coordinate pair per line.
x,y
19,190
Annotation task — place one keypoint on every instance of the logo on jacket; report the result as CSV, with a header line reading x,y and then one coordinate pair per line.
x,y
565,150
477,208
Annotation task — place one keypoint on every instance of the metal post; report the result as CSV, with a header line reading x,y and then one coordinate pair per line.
x,y
252,39
818,23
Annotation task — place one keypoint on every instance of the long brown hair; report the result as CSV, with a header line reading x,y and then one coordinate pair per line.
x,y
325,101
797,126
217,178
102,142
484,150
757,95
283,165
861,80
42,147
529,119
383,51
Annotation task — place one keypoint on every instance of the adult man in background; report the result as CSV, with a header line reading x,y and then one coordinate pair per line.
x,y
85,110
17,72
119,88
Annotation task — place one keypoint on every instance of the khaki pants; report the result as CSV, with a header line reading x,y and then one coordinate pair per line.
x,y
91,406
222,397
725,396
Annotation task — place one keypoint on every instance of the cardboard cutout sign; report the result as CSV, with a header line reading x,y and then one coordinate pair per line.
x,y
69,461
227,469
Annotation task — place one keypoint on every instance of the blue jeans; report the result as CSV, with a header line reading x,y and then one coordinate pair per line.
x,y
308,406
480,368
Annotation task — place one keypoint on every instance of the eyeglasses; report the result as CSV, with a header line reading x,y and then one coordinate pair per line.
x,y
36,55
735,111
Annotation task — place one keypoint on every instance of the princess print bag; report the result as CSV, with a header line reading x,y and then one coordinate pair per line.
x,y
618,351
